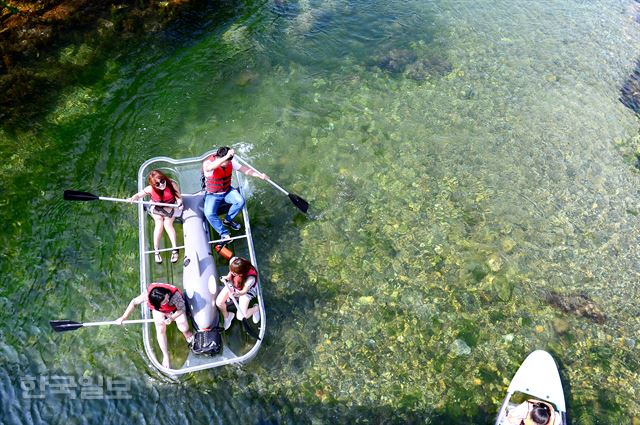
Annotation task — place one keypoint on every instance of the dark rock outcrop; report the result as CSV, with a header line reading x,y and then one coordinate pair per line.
x,y
630,91
407,62
578,304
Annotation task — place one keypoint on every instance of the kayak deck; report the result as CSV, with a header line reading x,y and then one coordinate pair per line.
x,y
238,347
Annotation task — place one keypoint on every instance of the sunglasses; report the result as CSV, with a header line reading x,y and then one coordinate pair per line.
x,y
161,183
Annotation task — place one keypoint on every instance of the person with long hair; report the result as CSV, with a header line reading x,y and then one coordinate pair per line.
x,y
167,305
243,284
164,190
531,412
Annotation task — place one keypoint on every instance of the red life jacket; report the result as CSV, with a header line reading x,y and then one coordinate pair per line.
x,y
166,197
166,308
238,281
220,178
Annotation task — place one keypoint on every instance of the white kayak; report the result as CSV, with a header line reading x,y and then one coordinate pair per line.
x,y
536,379
197,270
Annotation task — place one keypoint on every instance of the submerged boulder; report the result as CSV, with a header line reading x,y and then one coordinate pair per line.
x,y
430,67
407,62
397,60
459,348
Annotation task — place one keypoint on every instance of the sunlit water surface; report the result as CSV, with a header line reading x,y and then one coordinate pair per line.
x,y
469,204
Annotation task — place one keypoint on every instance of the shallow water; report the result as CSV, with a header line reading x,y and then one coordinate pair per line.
x,y
466,182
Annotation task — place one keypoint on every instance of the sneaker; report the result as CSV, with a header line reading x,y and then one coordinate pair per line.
x,y
158,258
228,320
256,316
232,224
225,237
174,256
191,341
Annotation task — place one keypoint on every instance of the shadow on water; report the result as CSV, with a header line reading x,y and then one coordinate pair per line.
x,y
75,47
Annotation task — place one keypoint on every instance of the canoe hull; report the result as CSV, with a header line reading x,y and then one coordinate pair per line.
x,y
537,378
198,272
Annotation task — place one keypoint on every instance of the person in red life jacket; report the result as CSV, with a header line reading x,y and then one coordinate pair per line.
x,y
243,279
164,190
218,169
167,305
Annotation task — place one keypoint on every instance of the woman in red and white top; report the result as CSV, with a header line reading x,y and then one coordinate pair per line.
x,y
163,190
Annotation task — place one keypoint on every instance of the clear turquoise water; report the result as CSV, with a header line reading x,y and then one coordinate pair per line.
x,y
446,207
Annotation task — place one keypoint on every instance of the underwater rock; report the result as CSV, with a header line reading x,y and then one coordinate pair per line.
x,y
246,77
630,91
399,61
460,348
494,262
430,67
508,245
396,60
579,304
560,326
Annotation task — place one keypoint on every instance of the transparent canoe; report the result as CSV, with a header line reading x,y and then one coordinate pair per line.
x,y
199,265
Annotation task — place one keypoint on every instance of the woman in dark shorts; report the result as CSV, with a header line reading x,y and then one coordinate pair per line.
x,y
163,190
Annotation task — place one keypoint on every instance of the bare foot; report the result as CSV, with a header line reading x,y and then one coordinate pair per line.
x,y
165,362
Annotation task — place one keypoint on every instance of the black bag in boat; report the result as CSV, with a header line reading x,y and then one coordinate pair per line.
x,y
207,341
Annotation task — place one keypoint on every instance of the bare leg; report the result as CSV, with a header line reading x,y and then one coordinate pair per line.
x,y
244,304
161,335
171,232
183,325
221,301
157,230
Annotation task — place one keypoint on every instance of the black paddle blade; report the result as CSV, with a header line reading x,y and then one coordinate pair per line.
x,y
75,195
249,329
299,202
64,325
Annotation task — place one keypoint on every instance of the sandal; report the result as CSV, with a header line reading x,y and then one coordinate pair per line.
x,y
158,258
174,256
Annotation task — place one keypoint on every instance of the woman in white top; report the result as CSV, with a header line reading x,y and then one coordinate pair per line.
x,y
242,284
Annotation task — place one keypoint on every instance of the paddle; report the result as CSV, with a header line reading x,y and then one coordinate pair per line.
x,y
75,195
297,201
245,322
70,325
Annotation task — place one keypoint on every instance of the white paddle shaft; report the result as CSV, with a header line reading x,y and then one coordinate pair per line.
x,y
243,162
113,322
105,198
